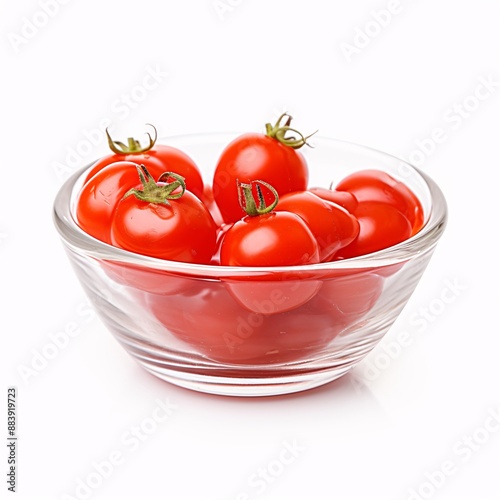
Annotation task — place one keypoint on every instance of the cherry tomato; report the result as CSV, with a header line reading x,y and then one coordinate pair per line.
x,y
211,321
99,196
157,158
164,223
380,226
349,297
342,198
264,237
268,295
221,231
267,238
274,239
209,201
146,279
214,324
332,226
272,158
378,186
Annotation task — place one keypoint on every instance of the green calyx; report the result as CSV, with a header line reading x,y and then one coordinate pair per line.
x,y
133,146
160,191
279,132
248,202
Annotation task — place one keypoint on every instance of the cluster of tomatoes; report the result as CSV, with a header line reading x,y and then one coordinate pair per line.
x,y
258,211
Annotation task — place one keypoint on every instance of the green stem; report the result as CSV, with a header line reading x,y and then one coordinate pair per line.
x,y
247,199
279,132
154,192
134,146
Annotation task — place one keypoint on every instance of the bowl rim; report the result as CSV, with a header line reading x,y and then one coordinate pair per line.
x,y
81,242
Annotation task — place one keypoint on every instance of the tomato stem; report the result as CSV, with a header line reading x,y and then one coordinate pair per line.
x,y
154,192
247,199
134,146
279,131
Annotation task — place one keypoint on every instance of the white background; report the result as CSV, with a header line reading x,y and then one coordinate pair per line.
x,y
386,430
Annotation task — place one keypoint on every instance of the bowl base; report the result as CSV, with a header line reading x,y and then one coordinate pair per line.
x,y
246,386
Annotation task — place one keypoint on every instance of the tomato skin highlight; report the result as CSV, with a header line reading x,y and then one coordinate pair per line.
x,y
380,226
182,231
332,226
273,239
255,156
378,186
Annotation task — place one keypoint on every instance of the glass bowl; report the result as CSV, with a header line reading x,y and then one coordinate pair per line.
x,y
254,331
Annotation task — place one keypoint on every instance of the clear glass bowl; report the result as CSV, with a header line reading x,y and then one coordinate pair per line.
x,y
246,331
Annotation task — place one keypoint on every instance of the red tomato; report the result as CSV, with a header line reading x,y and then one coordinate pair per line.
x,y
212,322
380,226
221,231
378,186
181,229
209,201
99,196
265,295
264,237
268,238
215,325
342,198
332,226
273,239
147,279
157,158
347,298
272,158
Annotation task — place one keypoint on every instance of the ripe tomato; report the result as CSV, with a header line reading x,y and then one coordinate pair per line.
x,y
155,219
99,196
157,158
332,226
146,279
348,297
274,239
269,157
268,295
211,321
267,238
378,186
209,201
380,226
215,325
264,237
342,198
